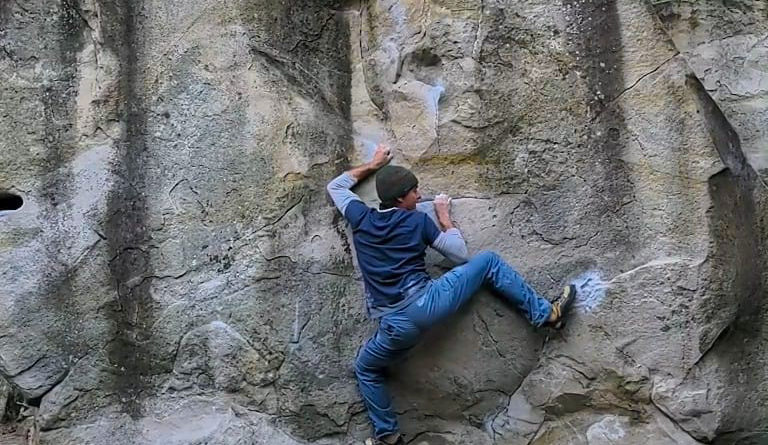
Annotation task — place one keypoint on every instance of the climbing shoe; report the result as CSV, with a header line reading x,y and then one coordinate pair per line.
x,y
372,441
562,305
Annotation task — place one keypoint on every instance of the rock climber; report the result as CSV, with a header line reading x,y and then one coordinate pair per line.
x,y
390,243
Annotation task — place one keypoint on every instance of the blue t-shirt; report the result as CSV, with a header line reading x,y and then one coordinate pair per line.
x,y
391,246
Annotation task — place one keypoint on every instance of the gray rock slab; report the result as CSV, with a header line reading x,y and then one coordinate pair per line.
x,y
726,45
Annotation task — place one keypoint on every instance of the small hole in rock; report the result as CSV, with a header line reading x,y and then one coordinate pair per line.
x,y
9,201
426,58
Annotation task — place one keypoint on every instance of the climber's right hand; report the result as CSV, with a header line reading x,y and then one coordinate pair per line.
x,y
442,205
382,156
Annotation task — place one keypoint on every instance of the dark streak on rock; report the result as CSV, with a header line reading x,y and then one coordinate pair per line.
x,y
594,41
594,35
55,302
132,312
58,99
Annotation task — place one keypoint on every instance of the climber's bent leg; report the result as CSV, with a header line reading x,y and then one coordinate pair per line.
x,y
445,295
395,336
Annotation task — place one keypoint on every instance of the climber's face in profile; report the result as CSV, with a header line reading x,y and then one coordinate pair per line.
x,y
408,202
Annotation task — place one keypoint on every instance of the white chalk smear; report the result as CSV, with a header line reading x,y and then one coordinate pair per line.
x,y
433,97
368,145
591,286
590,290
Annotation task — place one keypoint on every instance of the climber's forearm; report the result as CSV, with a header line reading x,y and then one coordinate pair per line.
x,y
444,220
451,244
363,171
339,189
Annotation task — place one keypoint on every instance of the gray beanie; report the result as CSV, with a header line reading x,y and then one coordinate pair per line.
x,y
393,181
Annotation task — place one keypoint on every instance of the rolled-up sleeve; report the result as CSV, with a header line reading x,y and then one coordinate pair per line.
x,y
452,245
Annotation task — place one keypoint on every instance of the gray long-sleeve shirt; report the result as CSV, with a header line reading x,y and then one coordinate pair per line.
x,y
449,243
390,246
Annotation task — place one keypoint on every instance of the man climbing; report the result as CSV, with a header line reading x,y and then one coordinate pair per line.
x,y
390,243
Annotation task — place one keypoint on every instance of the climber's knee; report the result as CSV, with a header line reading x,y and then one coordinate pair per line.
x,y
486,257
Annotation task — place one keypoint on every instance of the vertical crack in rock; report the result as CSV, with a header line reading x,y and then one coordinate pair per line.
x,y
362,47
126,226
477,46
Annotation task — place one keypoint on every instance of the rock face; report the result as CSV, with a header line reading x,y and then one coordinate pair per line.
x,y
726,45
5,394
177,274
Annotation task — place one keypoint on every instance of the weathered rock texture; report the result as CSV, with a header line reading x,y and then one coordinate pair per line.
x,y
5,395
177,275
726,44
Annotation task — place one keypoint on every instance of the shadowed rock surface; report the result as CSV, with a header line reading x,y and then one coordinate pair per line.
x,y
726,44
177,275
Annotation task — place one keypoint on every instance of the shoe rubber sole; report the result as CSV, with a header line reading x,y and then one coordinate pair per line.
x,y
563,305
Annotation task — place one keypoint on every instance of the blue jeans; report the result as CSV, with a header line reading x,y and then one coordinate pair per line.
x,y
400,331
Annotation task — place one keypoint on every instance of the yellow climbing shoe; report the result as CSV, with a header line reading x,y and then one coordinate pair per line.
x,y
562,305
